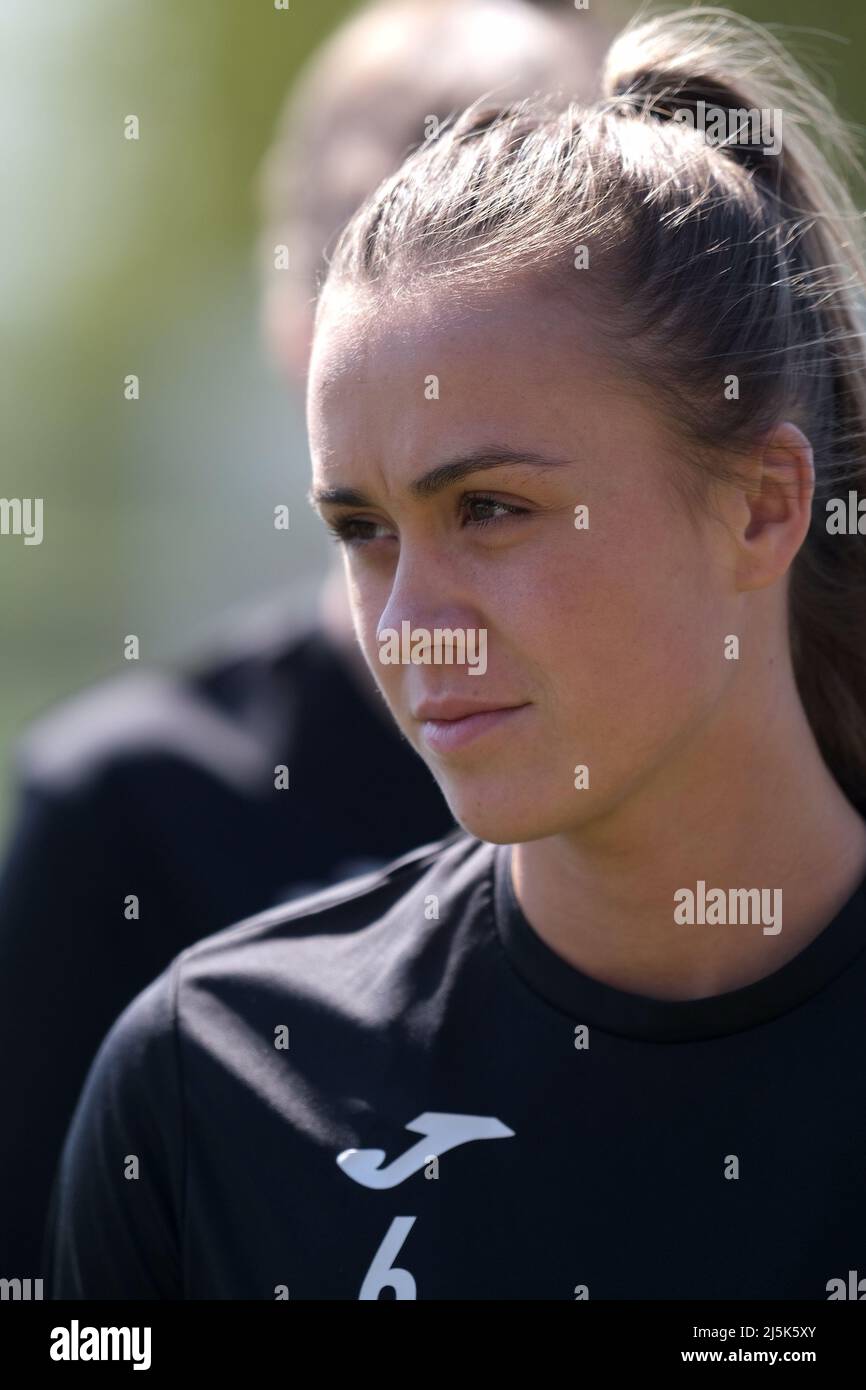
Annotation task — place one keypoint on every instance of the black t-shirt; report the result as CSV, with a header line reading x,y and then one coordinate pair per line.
x,y
395,1087
162,788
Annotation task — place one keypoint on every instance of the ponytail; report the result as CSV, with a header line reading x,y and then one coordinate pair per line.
x,y
667,67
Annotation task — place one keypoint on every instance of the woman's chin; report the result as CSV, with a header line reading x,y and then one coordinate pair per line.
x,y
503,820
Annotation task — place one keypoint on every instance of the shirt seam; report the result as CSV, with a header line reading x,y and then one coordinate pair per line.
x,y
641,1040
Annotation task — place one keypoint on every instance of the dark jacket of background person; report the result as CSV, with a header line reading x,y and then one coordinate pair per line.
x,y
163,787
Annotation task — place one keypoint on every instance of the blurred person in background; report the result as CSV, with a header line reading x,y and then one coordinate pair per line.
x,y
162,785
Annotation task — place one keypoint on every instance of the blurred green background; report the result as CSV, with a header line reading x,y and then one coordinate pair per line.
x,y
139,256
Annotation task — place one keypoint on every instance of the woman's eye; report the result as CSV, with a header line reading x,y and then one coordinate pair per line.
x,y
354,530
481,511
479,504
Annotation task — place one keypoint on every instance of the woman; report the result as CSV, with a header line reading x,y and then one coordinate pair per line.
x,y
583,384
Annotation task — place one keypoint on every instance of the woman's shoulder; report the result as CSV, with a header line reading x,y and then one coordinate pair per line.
x,y
436,870
315,953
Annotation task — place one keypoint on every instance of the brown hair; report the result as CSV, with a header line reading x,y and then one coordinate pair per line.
x,y
710,261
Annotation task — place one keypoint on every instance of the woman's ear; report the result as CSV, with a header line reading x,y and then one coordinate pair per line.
x,y
776,506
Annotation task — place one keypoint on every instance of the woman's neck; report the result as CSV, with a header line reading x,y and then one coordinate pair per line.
x,y
749,804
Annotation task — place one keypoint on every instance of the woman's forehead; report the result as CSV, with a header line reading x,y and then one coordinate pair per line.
x,y
404,401
368,337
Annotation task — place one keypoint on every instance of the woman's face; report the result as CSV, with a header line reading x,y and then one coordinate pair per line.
x,y
604,640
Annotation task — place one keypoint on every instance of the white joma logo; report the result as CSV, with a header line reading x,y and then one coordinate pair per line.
x,y
441,1132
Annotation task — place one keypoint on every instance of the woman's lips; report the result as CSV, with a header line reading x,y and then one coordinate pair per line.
x,y
445,735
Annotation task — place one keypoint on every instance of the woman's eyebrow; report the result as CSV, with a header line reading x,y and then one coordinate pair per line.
x,y
443,475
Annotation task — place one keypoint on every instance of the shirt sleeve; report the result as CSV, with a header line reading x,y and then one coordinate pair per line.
x,y
115,1220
